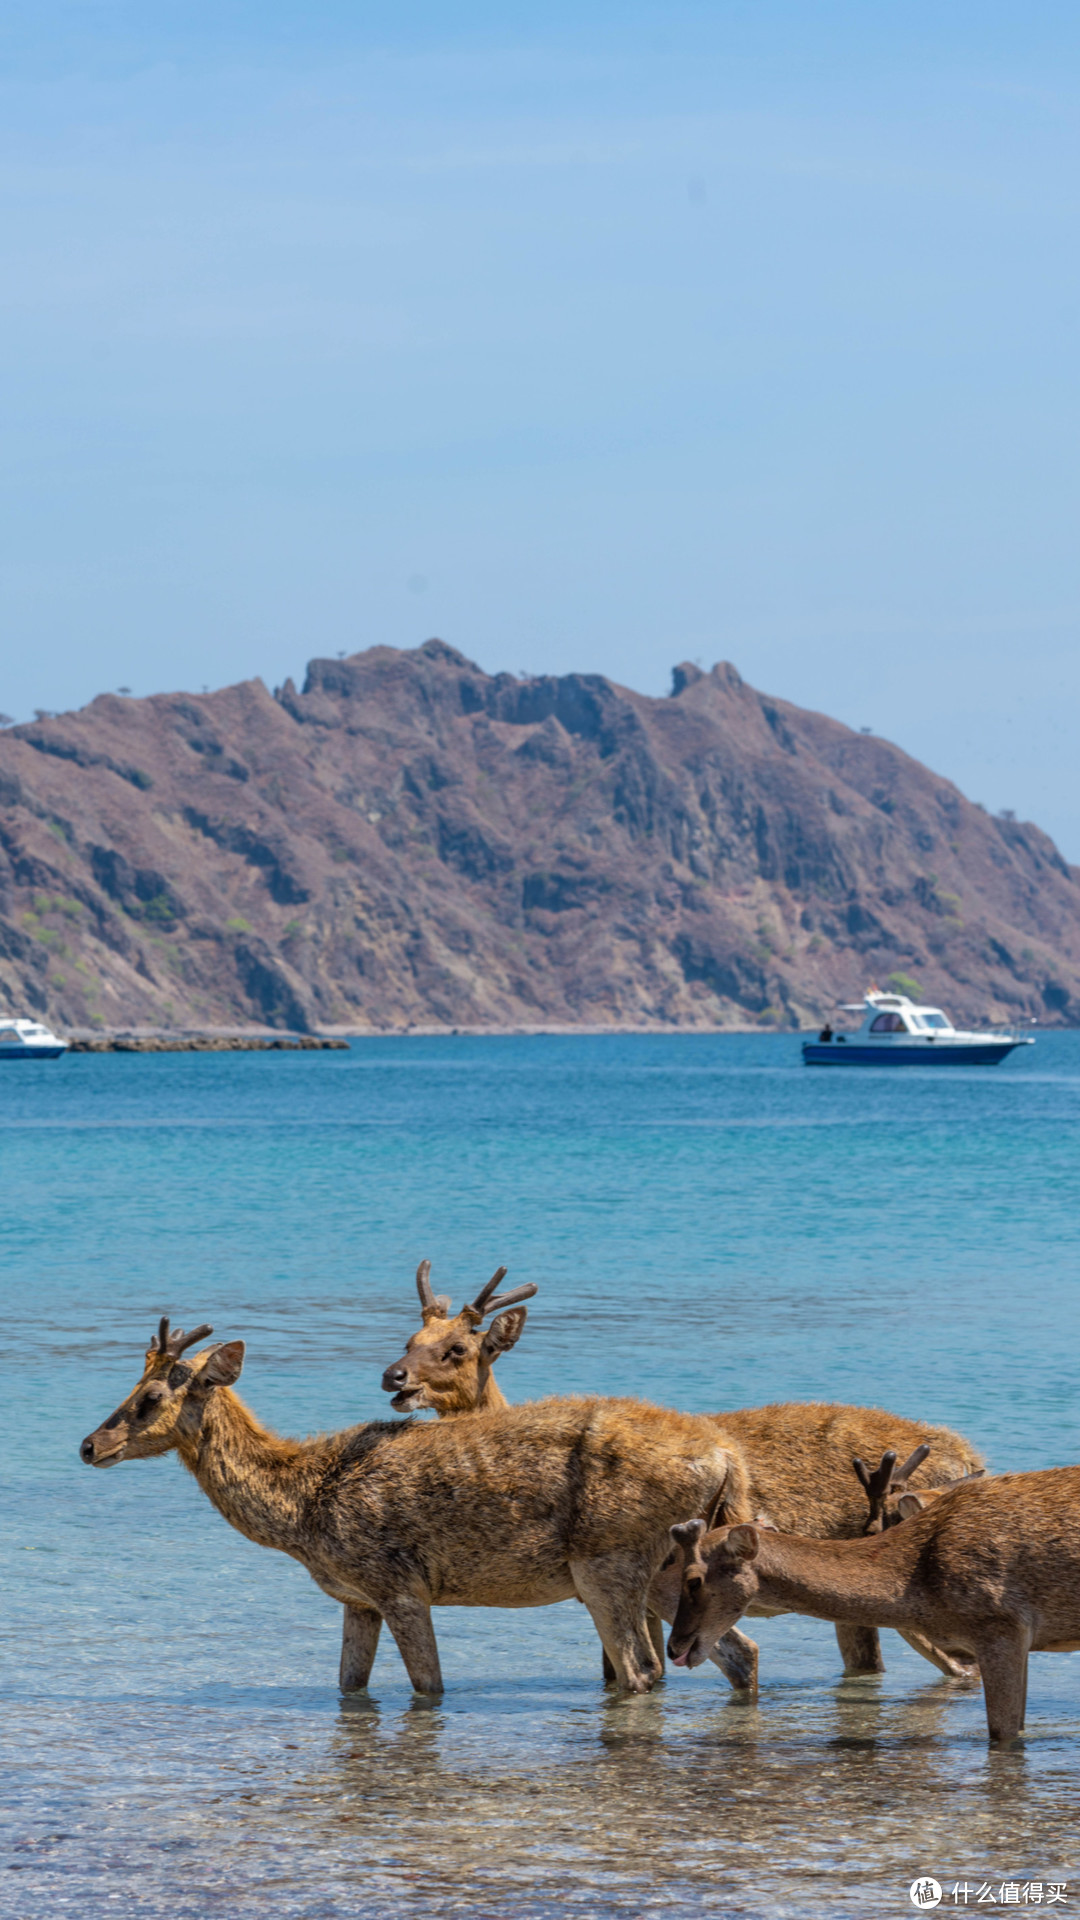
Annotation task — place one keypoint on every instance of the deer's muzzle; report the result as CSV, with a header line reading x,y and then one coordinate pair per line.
x,y
102,1448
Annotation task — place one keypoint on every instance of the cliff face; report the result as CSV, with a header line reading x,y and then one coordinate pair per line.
x,y
411,841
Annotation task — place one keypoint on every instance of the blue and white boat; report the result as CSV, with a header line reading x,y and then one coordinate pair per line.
x,y
897,1033
29,1040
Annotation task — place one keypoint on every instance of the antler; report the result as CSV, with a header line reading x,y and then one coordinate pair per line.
x,y
430,1302
878,1482
488,1301
905,1472
174,1343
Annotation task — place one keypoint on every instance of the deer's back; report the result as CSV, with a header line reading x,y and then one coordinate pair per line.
x,y
1010,1544
798,1455
528,1487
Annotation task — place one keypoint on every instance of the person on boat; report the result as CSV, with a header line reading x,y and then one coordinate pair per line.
x,y
826,1032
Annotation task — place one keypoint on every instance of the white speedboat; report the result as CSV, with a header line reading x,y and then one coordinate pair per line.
x,y
897,1033
29,1040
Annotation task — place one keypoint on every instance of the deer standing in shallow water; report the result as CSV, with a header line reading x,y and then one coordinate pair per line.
x,y
795,1459
990,1572
446,1368
523,1507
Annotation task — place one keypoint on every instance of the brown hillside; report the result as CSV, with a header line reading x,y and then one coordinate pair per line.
x,y
411,841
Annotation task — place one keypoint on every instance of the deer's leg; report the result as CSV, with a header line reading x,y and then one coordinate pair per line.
x,y
1003,1659
944,1662
861,1649
613,1587
359,1639
656,1634
737,1658
410,1623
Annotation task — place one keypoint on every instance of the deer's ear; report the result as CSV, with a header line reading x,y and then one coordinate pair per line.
x,y
504,1332
223,1366
742,1543
717,1514
909,1504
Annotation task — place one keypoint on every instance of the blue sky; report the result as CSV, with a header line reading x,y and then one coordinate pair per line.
x,y
587,337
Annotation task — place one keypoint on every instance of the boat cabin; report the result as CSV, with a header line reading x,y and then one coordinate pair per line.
x,y
895,1013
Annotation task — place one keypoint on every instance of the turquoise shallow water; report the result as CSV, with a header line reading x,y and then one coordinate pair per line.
x,y
710,1225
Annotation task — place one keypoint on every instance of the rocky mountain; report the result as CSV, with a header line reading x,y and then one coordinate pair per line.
x,y
410,841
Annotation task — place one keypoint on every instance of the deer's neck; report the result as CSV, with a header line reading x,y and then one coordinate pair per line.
x,y
260,1483
858,1582
491,1396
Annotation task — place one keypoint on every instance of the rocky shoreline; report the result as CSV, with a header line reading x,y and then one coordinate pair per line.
x,y
204,1043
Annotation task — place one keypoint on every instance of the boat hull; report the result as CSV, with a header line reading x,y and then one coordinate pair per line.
x,y
32,1053
839,1053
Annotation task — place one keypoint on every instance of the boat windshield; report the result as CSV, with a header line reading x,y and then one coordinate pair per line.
x,y
934,1021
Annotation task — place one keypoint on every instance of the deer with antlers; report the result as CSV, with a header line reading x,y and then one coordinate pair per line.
x,y
447,1365
519,1507
795,1457
880,1483
886,1480
446,1368
989,1571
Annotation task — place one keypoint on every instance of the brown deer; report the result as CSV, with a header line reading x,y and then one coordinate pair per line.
x,y
990,1572
521,1507
795,1461
884,1480
880,1483
446,1366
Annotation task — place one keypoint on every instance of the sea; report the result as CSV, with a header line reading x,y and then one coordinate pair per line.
x,y
709,1225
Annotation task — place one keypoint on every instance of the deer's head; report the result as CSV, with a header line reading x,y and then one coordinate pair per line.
x,y
884,1482
718,1584
168,1401
909,1504
447,1364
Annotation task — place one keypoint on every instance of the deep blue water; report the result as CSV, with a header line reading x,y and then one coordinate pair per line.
x,y
710,1225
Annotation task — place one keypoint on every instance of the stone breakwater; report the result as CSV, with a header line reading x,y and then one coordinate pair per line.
x,y
204,1043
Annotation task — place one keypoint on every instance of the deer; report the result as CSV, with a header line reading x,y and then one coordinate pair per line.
x,y
446,1369
447,1366
886,1479
795,1459
515,1507
879,1482
989,1570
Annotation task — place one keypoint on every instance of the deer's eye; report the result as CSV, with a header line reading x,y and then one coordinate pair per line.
x,y
457,1352
669,1562
695,1584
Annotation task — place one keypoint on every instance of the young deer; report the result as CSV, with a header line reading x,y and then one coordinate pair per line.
x,y
795,1462
990,1572
522,1507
